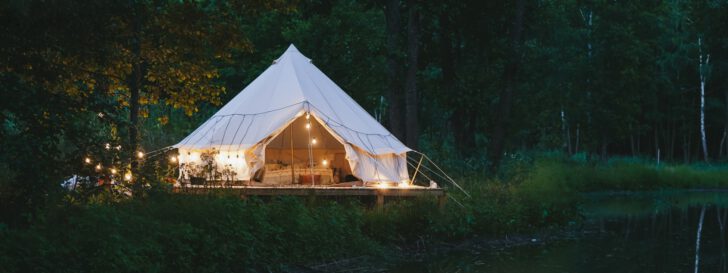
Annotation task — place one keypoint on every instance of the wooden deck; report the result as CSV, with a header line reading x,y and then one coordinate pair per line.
x,y
380,193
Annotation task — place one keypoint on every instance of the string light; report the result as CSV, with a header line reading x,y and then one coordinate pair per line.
x,y
98,167
307,116
325,162
172,159
127,176
113,171
107,146
308,125
87,160
313,141
140,154
118,148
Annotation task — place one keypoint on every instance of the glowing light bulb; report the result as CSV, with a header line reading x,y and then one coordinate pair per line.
x,y
382,185
127,177
140,154
98,167
324,162
308,125
113,171
313,141
307,116
107,146
87,160
118,148
172,159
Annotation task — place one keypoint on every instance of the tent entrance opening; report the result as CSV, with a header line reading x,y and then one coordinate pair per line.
x,y
305,153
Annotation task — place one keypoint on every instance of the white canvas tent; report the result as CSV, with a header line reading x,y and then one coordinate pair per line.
x,y
267,112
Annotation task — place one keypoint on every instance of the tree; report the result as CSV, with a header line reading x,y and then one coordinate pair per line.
x,y
503,113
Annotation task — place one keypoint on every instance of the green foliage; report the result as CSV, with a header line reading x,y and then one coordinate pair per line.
x,y
551,176
185,234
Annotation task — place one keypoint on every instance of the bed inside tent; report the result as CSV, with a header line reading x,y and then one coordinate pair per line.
x,y
305,153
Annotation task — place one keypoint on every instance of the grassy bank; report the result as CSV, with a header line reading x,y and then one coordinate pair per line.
x,y
225,234
168,233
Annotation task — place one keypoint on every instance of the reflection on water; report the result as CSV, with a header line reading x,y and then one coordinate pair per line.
x,y
653,232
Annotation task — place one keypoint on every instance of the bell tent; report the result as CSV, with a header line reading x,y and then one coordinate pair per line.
x,y
290,123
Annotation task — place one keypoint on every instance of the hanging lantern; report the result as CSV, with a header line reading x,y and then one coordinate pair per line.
x,y
313,141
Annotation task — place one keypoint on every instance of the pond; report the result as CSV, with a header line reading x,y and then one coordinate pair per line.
x,y
646,232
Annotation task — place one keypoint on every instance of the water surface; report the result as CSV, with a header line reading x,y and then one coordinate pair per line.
x,y
647,232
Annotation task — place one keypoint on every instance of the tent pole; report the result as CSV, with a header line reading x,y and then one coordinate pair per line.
x,y
293,171
310,153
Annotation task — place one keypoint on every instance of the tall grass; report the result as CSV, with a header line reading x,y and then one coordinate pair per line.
x,y
564,176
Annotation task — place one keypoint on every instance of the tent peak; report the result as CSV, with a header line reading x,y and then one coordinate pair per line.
x,y
292,48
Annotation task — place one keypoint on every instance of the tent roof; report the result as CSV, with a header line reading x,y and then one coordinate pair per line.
x,y
291,86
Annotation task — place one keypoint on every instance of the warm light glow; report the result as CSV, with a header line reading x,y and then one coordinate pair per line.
x,y
140,154
118,147
107,146
308,125
127,177
299,114
324,162
404,183
382,185
87,160
113,171
307,116
313,141
98,167
172,159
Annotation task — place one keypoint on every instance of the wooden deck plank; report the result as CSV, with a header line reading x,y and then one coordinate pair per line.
x,y
316,191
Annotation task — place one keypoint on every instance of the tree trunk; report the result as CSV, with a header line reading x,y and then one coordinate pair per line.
x,y
566,146
392,15
411,97
576,142
703,79
135,85
723,151
506,96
